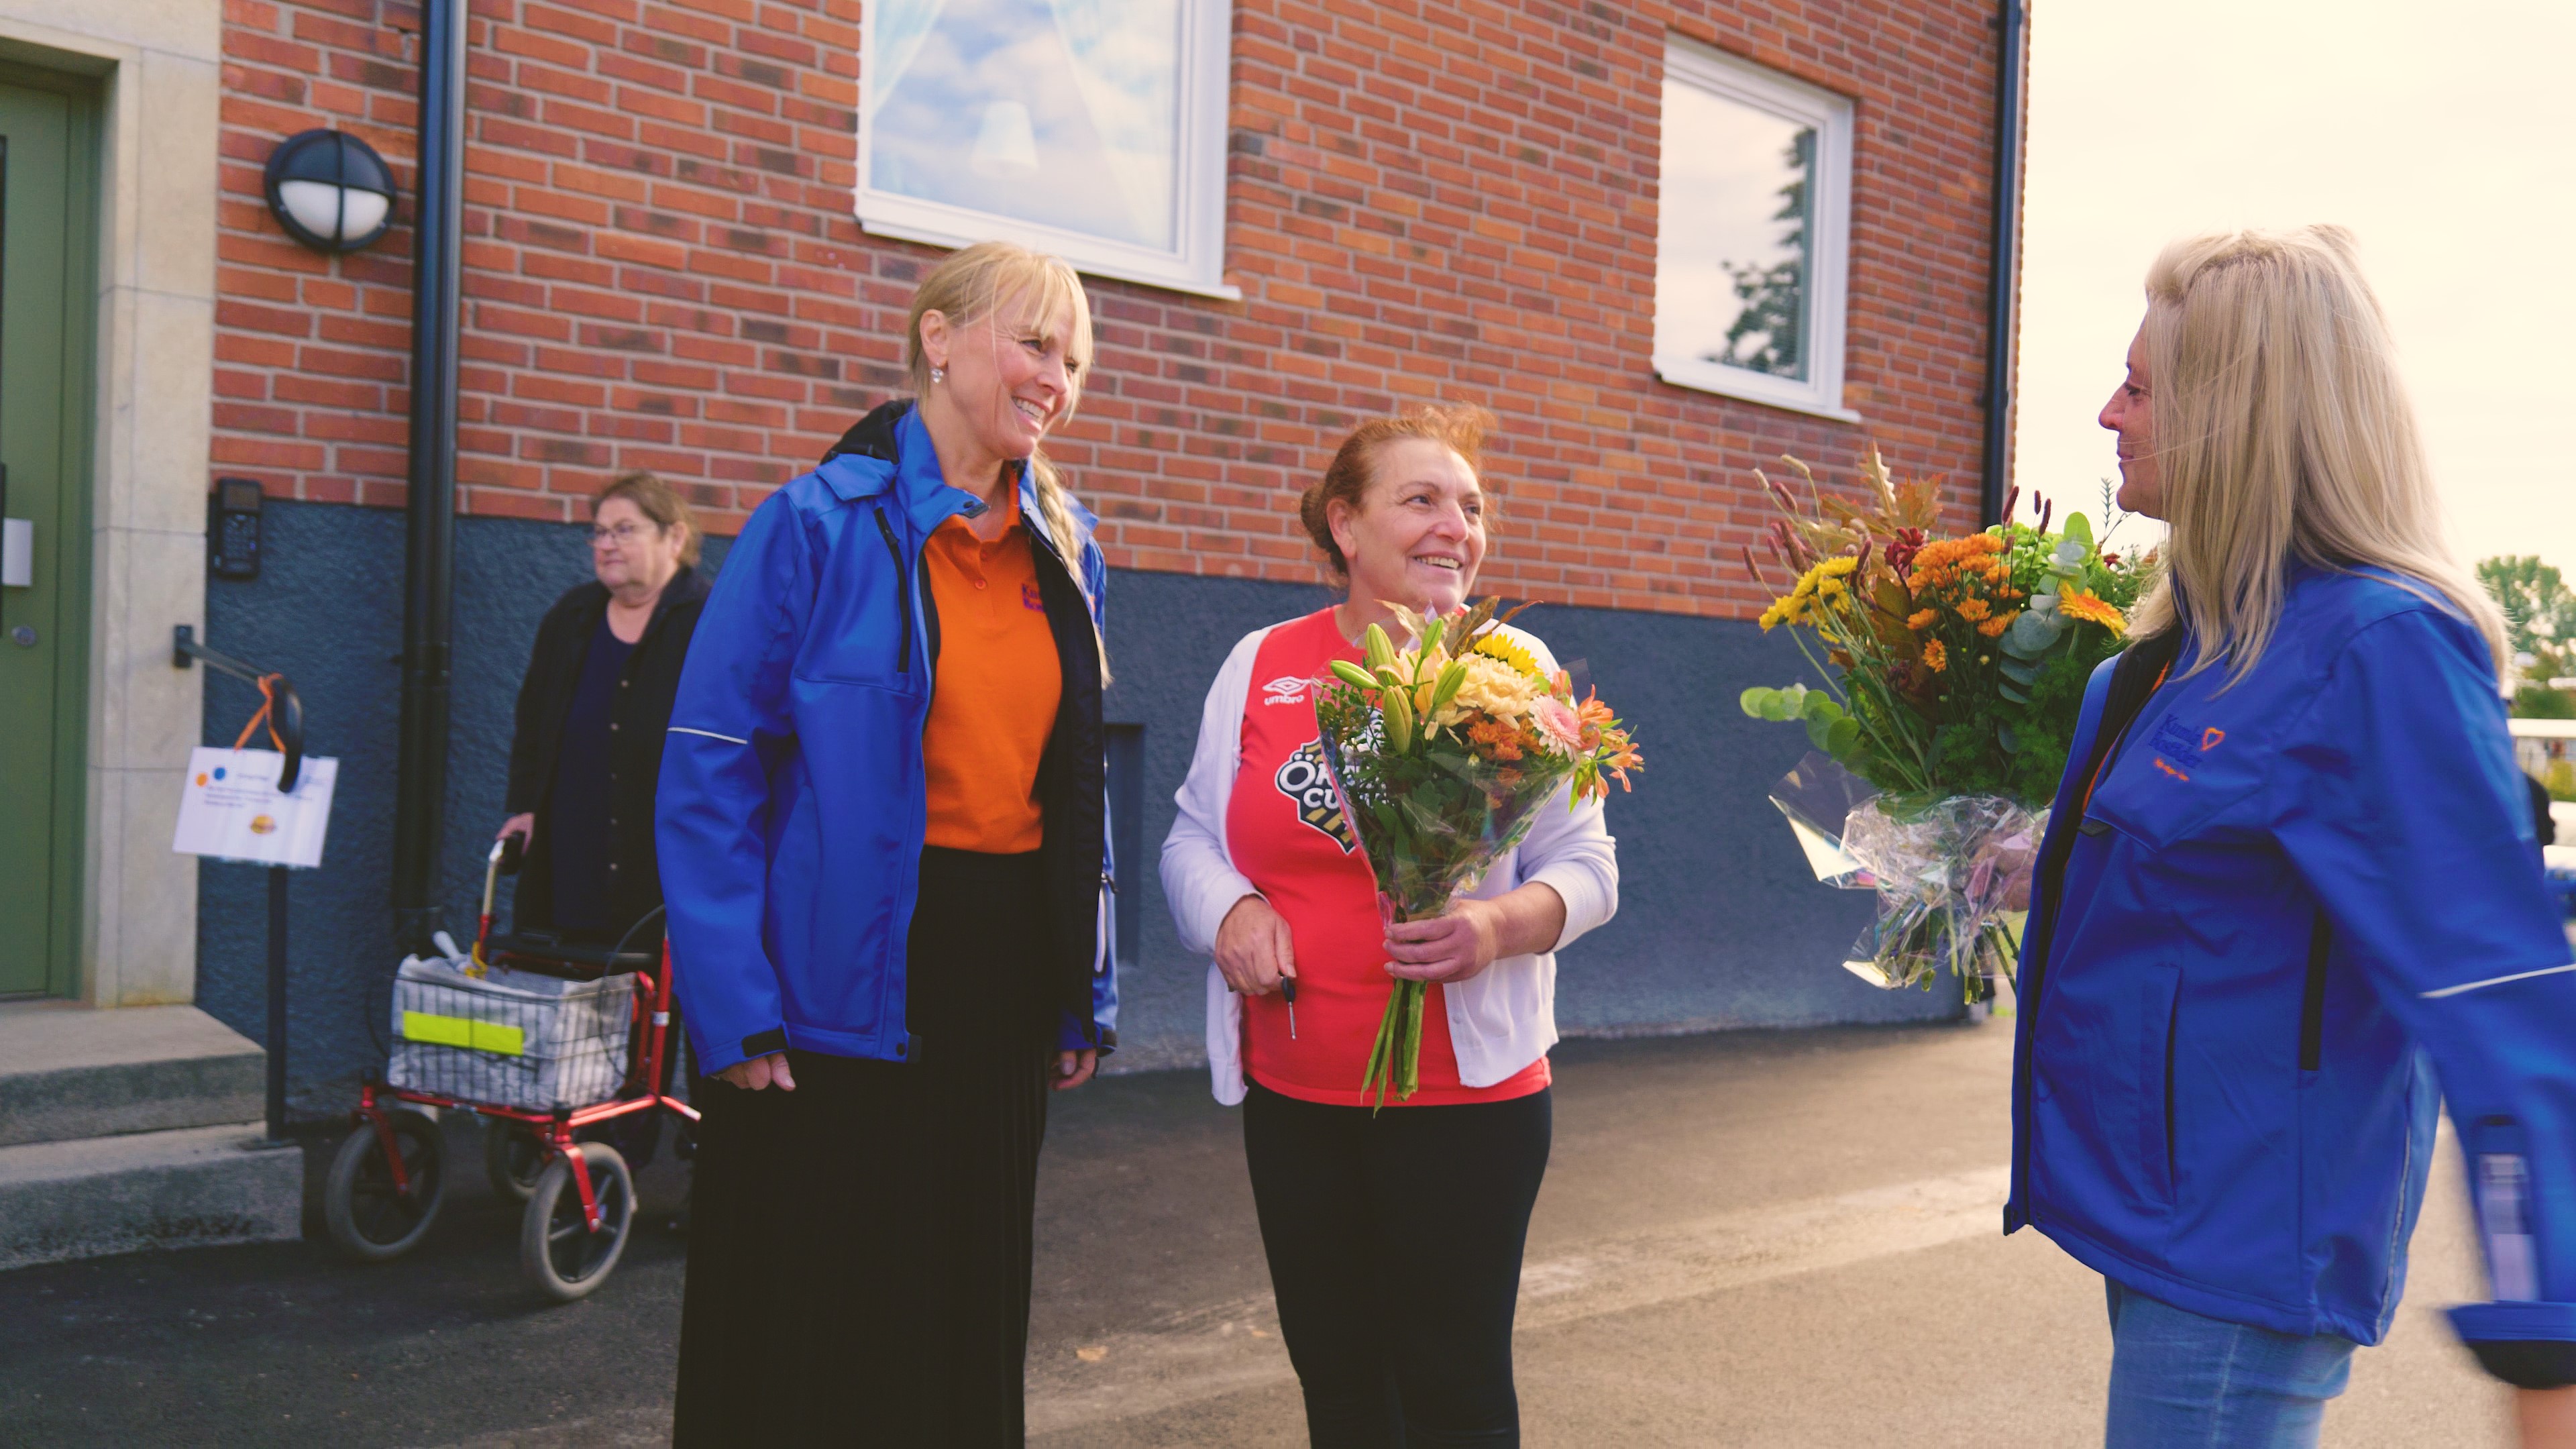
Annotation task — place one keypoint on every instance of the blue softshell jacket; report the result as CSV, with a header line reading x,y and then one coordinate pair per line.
x,y
793,800
2287,898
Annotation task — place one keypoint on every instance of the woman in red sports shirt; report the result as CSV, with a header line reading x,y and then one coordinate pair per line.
x,y
1400,1329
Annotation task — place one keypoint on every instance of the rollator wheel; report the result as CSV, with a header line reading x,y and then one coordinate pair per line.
x,y
369,1218
557,1249
513,1157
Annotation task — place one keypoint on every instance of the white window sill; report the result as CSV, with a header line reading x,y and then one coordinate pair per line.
x,y
1055,244
1753,387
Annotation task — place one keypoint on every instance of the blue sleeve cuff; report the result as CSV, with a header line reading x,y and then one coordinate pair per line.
x,y
1073,1034
2528,1345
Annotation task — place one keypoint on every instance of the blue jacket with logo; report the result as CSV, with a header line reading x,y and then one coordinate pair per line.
x,y
793,799
2285,899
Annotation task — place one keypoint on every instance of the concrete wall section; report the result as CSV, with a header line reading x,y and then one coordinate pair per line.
x,y
1720,924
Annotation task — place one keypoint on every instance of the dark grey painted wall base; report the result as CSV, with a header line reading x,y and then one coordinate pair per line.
x,y
1720,924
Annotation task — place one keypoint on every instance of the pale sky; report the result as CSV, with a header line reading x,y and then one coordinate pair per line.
x,y
2443,135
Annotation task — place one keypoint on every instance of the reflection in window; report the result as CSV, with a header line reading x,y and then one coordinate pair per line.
x,y
1062,113
1731,268
1755,207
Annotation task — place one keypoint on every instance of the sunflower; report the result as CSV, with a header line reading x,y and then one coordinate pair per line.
x,y
1495,644
2077,604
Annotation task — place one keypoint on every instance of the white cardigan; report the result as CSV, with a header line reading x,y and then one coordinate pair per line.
x,y
1500,1020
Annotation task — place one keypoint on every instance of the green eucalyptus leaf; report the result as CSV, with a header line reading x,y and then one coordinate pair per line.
x,y
2011,742
1750,701
1820,706
2078,530
2032,632
1820,732
1842,738
2020,673
2009,692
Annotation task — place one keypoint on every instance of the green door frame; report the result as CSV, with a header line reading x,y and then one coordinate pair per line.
x,y
71,553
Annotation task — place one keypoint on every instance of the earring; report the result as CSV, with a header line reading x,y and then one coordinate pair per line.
x,y
938,375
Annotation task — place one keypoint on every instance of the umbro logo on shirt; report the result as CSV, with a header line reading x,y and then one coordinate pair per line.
x,y
1286,689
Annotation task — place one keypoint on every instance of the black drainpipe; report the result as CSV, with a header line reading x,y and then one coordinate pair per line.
x,y
429,544
2012,24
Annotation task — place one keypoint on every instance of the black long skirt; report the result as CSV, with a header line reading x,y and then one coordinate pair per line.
x,y
859,1248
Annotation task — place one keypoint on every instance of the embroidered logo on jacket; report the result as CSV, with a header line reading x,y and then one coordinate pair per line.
x,y
1030,598
2179,751
1286,689
1302,778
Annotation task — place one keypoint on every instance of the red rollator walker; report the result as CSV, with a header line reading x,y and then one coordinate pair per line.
x,y
566,1038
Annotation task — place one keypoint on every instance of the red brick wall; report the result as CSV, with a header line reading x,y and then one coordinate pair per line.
x,y
1426,200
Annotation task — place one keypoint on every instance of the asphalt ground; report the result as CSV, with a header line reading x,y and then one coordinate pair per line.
x,y
1773,1239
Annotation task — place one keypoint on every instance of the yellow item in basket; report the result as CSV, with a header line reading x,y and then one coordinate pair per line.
x,y
481,1036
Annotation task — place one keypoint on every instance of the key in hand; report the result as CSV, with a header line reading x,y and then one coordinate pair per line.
x,y
1288,993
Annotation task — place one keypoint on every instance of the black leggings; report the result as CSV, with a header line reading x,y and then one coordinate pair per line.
x,y
1395,1249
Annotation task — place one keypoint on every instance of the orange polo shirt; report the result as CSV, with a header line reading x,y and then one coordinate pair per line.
x,y
995,692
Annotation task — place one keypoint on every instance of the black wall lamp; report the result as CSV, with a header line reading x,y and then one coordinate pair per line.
x,y
330,190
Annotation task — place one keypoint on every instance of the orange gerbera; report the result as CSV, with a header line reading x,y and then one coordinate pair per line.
x,y
2077,604
1935,658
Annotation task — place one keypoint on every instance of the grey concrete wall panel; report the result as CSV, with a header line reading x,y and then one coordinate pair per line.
x,y
1720,924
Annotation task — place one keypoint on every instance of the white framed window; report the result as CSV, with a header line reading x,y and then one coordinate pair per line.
x,y
1092,129
1753,246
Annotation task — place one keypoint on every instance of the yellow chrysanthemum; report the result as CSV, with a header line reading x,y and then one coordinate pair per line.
x,y
1832,589
2077,604
1495,687
1922,619
1935,658
1834,568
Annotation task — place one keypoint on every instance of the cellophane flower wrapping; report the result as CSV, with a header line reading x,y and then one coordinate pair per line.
x,y
1952,874
1954,672
1442,760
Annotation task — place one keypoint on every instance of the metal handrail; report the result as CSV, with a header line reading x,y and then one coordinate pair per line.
x,y
286,718
286,709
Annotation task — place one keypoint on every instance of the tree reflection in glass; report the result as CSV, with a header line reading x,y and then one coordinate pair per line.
x,y
1734,245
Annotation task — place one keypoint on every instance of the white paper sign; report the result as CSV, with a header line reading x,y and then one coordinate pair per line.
x,y
231,808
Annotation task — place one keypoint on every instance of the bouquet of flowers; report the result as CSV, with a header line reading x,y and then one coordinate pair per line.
x,y
1442,752
1956,667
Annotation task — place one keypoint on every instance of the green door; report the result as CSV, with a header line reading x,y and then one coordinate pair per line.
x,y
47,302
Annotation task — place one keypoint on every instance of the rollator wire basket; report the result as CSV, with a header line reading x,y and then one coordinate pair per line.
x,y
511,1038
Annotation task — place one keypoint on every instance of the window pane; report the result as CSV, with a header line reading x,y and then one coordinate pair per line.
x,y
1731,254
1059,112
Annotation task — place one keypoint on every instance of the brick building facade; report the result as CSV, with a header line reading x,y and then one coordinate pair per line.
x,y
1424,201
663,268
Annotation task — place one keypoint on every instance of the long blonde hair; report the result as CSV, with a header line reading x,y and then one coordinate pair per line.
x,y
971,286
2283,433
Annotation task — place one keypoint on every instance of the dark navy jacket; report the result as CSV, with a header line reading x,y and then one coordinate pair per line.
x,y
793,799
2287,897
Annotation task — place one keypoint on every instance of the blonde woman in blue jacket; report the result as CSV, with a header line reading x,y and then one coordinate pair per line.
x,y
2291,860
884,850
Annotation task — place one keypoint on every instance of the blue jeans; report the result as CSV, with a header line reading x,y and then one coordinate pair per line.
x,y
2180,1379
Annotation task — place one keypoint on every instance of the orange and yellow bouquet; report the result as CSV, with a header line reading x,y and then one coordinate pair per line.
x,y
1953,669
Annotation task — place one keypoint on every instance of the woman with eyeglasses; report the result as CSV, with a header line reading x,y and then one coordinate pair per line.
x,y
594,710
